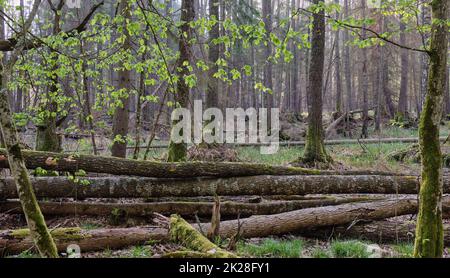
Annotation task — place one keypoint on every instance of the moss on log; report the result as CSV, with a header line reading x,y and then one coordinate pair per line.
x,y
182,232
16,241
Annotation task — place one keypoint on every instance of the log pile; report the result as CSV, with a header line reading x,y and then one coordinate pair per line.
x,y
256,200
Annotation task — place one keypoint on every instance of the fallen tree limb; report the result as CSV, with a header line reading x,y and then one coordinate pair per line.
x,y
121,166
382,232
182,232
227,209
121,187
16,241
306,219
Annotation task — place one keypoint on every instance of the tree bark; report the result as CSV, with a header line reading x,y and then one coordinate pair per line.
x,y
347,66
268,82
365,81
178,151
306,219
429,231
203,209
16,241
56,187
382,232
315,149
121,166
121,115
337,67
212,95
35,220
403,96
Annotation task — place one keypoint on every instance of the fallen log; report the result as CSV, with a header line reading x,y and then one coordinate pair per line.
x,y
183,233
306,219
13,242
121,187
382,232
121,166
227,209
16,241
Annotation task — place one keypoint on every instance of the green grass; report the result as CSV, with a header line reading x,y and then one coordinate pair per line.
x,y
319,253
26,255
404,250
140,252
349,249
272,248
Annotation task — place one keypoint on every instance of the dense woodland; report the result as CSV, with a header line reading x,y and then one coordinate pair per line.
x,y
86,102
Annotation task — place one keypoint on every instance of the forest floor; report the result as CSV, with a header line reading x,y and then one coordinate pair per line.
x,y
351,156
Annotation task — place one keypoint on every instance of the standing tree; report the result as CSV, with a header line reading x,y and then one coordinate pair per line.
x,y
35,220
429,240
268,83
365,81
212,94
403,96
120,121
177,151
315,148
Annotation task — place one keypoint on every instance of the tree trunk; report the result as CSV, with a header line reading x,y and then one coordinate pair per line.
x,y
183,233
203,209
403,97
14,242
347,66
212,94
337,68
424,58
315,149
121,115
429,231
382,232
36,223
178,151
268,82
56,187
365,82
306,219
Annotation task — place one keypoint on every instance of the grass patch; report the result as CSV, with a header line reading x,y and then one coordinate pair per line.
x,y
273,248
26,255
319,253
349,249
404,250
140,252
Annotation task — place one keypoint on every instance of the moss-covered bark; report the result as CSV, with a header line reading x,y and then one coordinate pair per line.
x,y
47,140
315,147
429,231
36,223
183,233
178,151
